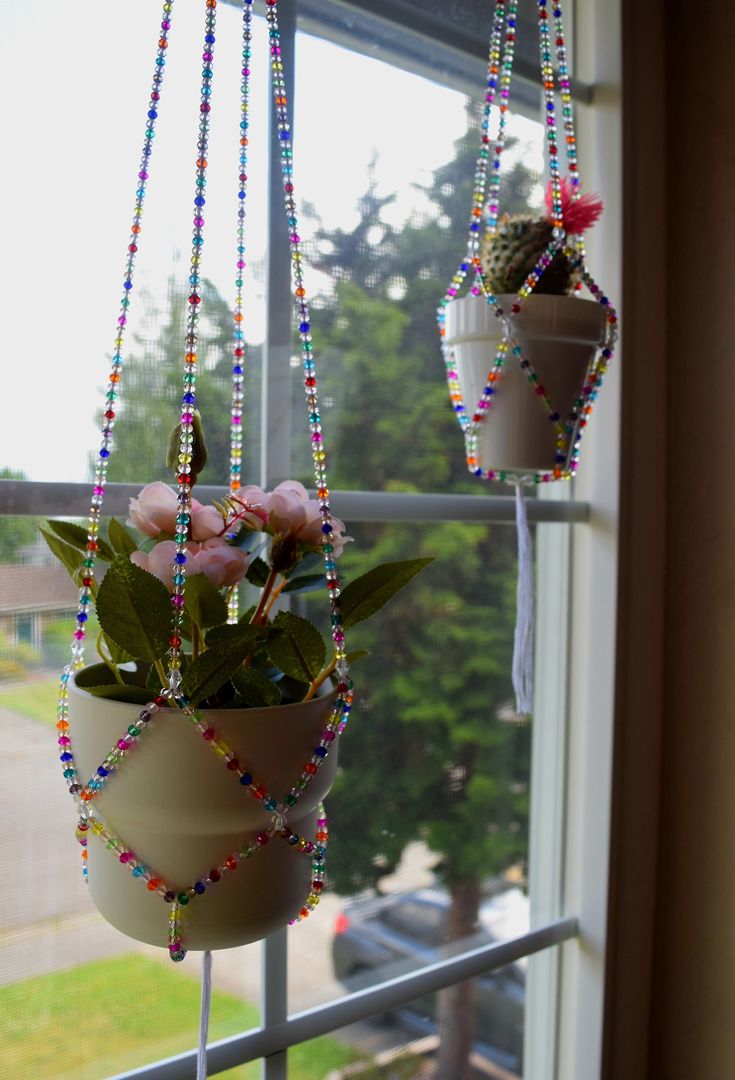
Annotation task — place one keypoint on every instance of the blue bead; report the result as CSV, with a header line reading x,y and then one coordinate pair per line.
x,y
304,327
237,370
326,529
127,285
209,38
104,453
241,195
320,751
152,114
180,558
246,779
82,616
199,887
200,200
66,756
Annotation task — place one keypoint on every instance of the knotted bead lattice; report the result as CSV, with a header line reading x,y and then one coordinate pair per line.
x,y
569,428
278,805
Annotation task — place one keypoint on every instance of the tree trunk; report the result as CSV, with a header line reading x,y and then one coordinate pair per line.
x,y
456,1004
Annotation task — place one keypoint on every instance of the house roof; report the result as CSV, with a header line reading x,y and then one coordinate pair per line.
x,y
35,588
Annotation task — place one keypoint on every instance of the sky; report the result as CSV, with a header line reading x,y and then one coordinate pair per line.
x,y
79,89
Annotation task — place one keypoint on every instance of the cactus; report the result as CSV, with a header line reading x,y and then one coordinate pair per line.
x,y
510,253
509,256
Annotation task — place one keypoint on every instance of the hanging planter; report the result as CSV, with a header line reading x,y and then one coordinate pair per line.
x,y
562,333
198,752
183,819
525,357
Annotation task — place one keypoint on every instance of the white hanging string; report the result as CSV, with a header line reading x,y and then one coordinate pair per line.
x,y
204,1015
523,642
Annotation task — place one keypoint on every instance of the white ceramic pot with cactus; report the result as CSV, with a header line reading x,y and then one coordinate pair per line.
x,y
558,333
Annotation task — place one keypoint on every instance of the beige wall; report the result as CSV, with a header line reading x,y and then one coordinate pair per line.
x,y
671,984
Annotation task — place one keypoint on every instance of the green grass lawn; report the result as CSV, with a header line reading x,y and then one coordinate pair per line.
x,y
102,1018
36,700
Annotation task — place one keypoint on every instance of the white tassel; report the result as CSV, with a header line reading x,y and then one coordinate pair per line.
x,y
204,1015
523,642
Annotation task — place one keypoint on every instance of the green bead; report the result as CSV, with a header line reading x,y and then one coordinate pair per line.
x,y
183,899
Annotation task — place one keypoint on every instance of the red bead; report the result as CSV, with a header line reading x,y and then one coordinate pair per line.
x,y
174,641
233,765
310,768
214,875
262,838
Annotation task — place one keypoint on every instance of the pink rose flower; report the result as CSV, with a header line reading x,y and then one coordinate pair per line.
x,y
220,562
206,522
252,507
215,558
154,511
292,511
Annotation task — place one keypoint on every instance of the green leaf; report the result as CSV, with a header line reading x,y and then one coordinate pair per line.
x,y
68,556
227,647
203,603
307,583
367,594
258,572
296,646
358,654
121,538
255,688
310,560
135,695
134,609
247,615
116,654
77,537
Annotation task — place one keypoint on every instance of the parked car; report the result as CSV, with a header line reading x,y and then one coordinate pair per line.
x,y
381,937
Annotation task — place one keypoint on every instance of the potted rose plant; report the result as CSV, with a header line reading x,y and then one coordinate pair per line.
x,y
556,332
259,689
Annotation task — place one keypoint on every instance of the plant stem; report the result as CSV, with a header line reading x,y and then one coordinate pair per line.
x,y
321,677
107,659
260,615
161,673
274,596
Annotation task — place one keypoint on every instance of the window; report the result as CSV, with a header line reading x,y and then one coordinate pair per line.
x,y
384,147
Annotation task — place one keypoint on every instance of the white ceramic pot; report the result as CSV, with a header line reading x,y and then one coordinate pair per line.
x,y
174,804
559,335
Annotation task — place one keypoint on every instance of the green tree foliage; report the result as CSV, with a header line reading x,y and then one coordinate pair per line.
x,y
16,533
429,757
152,387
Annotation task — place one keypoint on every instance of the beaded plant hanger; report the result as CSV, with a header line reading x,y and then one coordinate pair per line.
x,y
568,428
85,791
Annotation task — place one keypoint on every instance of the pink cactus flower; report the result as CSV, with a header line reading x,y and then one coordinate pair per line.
x,y
577,215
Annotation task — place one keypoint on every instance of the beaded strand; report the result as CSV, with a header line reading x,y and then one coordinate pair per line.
x,y
188,398
88,585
